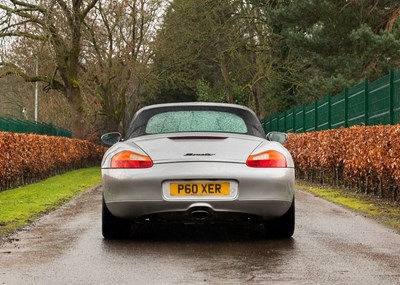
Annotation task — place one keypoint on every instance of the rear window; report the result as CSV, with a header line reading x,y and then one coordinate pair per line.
x,y
179,118
195,121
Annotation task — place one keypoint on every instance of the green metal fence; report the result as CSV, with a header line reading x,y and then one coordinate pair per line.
x,y
369,103
18,126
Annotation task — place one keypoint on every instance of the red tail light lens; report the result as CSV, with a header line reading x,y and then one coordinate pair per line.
x,y
130,159
267,159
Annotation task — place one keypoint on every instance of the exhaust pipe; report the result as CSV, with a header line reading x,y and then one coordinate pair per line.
x,y
200,215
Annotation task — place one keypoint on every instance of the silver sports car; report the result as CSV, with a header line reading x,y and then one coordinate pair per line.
x,y
197,163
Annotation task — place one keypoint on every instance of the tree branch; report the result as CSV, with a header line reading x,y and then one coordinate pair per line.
x,y
30,6
88,8
392,20
23,34
23,14
67,12
15,70
95,45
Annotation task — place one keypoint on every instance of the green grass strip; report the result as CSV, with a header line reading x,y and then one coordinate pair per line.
x,y
380,210
21,206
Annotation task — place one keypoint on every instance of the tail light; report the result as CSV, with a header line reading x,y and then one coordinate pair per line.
x,y
130,159
267,159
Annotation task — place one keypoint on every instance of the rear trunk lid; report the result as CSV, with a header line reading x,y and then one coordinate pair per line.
x,y
199,147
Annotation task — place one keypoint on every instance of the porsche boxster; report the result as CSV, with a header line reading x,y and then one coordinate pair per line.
x,y
197,163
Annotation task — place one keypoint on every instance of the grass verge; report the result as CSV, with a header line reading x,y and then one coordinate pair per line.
x,y
383,211
23,205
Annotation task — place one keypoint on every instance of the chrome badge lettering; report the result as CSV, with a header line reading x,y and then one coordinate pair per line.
x,y
199,154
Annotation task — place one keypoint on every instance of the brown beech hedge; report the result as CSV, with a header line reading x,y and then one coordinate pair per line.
x,y
365,158
26,158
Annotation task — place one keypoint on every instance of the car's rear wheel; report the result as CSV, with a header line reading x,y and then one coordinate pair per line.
x,y
282,227
113,227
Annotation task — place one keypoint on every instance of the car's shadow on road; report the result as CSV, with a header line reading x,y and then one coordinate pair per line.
x,y
208,248
199,233
200,242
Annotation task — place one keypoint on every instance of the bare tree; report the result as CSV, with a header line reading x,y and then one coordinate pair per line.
x,y
96,47
118,50
57,24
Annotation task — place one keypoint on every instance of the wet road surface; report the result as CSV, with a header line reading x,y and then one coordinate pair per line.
x,y
330,246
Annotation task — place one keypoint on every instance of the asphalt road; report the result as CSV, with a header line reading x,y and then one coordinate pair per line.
x,y
330,246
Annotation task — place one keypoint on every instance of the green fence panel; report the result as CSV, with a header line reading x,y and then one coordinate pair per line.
x,y
369,103
289,121
356,105
396,97
323,118
299,119
266,125
30,127
379,101
281,122
310,117
14,126
274,124
3,125
338,110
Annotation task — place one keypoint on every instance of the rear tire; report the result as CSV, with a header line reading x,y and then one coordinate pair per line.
x,y
282,227
113,227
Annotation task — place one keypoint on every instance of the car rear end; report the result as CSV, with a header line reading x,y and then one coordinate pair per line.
x,y
212,173
200,163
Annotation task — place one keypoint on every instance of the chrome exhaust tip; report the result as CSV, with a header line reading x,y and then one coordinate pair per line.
x,y
200,215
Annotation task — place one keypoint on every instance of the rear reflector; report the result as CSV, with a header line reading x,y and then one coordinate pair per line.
x,y
267,159
130,159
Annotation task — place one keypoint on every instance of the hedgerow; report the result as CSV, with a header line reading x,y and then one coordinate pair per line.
x,y
365,158
27,158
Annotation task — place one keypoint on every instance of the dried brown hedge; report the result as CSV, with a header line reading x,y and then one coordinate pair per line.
x,y
26,158
366,158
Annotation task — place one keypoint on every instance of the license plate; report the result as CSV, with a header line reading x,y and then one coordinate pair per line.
x,y
200,189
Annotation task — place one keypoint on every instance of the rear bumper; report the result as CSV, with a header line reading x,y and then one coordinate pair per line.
x,y
137,193
181,211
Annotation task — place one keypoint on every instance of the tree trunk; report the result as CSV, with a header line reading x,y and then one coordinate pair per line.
x,y
225,75
77,111
393,19
257,88
257,91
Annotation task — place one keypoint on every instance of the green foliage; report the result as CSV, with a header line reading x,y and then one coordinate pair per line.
x,y
206,94
382,49
273,55
242,96
74,82
337,43
190,45
267,54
